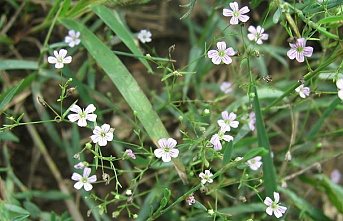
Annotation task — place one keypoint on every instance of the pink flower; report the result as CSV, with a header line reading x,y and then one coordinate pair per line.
x,y
166,150
228,121
102,134
256,34
303,91
84,181
335,176
236,13
222,54
255,163
129,153
190,200
226,87
72,39
299,50
217,138
252,121
274,207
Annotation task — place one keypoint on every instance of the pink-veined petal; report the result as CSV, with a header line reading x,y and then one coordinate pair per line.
x,y
251,37
71,33
225,115
162,142
102,142
86,172
291,53
232,116
63,53
95,138
97,130
82,122
269,211
78,185
158,152
91,117
244,10
88,186
75,108
234,6
282,209
171,142
90,109
67,60
299,57
166,157
56,54
234,124
308,51
252,29
226,59
109,137
268,201
301,42
227,12
229,51
277,213
106,127
76,177
73,117
243,18
221,45
52,60
234,21
92,179
212,53
216,60
276,197
174,153
228,138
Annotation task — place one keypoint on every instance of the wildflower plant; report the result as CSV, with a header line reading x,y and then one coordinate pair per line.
x,y
200,131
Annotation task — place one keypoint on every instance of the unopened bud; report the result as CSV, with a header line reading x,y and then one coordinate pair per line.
x,y
288,156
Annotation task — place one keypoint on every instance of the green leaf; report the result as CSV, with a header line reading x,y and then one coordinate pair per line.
x,y
198,205
8,136
260,151
276,16
18,65
227,152
113,20
333,191
16,209
263,141
304,206
330,19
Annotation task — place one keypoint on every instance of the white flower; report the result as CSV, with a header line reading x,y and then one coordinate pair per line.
x,y
236,13
102,134
82,116
226,87
273,206
73,38
255,163
222,54
60,58
217,138
339,84
166,150
84,181
144,36
228,121
303,91
256,34
206,177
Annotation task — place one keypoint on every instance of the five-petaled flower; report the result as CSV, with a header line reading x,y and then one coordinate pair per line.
x,y
228,121
82,116
236,13
166,150
60,58
73,38
255,163
206,177
217,138
299,50
226,87
339,84
190,200
144,36
222,54
256,34
102,134
273,206
303,91
84,181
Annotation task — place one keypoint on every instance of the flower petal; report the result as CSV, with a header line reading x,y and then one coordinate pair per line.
x,y
276,197
88,186
92,179
269,211
158,152
166,157
174,153
171,142
227,12
78,185
76,177
52,60
221,45
86,172
90,109
268,201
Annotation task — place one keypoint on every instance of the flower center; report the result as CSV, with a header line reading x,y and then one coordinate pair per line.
x,y
102,134
59,60
227,122
253,161
84,180
300,49
167,149
274,205
221,53
236,14
82,114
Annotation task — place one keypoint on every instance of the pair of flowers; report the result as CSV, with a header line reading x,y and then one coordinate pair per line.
x,y
101,135
60,57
